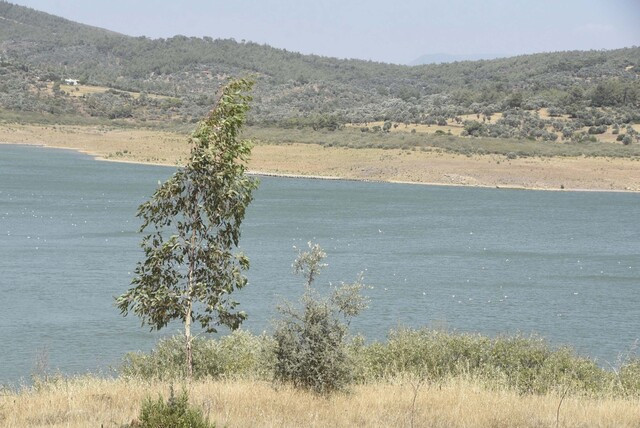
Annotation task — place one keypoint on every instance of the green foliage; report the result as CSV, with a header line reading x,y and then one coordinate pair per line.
x,y
613,92
201,208
629,376
515,100
237,355
175,413
474,128
597,129
310,343
193,224
527,365
524,364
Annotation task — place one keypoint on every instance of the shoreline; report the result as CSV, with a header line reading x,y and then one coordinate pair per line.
x,y
262,173
422,183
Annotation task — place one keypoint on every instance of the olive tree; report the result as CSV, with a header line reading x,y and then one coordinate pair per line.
x,y
192,224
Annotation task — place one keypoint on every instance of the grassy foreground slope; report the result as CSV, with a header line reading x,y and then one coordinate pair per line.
x,y
85,402
418,378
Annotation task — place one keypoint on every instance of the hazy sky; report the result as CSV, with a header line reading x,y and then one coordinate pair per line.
x,y
390,31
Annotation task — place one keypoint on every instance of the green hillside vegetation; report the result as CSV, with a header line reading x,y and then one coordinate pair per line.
x,y
586,96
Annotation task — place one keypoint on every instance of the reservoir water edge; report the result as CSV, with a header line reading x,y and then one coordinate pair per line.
x,y
564,265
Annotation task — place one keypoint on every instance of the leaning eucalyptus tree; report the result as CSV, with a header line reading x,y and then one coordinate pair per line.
x,y
192,224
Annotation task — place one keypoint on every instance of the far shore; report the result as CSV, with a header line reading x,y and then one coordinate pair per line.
x,y
335,163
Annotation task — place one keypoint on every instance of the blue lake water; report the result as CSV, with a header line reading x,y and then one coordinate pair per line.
x,y
564,265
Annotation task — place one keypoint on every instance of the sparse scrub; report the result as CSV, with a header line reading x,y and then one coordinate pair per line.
x,y
175,413
239,354
310,342
430,378
629,377
352,137
527,365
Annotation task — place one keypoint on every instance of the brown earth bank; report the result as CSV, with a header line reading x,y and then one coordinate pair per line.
x,y
94,402
393,165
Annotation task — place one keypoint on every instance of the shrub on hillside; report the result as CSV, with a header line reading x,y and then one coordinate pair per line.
x,y
629,377
239,354
311,349
175,413
528,365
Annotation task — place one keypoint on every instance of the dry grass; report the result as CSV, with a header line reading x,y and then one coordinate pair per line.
x,y
457,128
607,137
80,90
133,145
449,169
494,117
431,166
544,114
243,403
453,127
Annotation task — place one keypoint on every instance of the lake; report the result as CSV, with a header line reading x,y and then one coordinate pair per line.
x,y
564,265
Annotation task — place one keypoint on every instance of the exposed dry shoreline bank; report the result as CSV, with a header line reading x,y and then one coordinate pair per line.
x,y
315,161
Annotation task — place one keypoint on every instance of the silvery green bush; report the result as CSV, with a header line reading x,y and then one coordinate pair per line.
x,y
311,349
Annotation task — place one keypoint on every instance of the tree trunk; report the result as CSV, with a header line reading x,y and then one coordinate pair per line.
x,y
190,287
188,339
187,322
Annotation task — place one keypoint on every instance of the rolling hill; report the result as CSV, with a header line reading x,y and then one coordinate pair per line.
x,y
38,51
